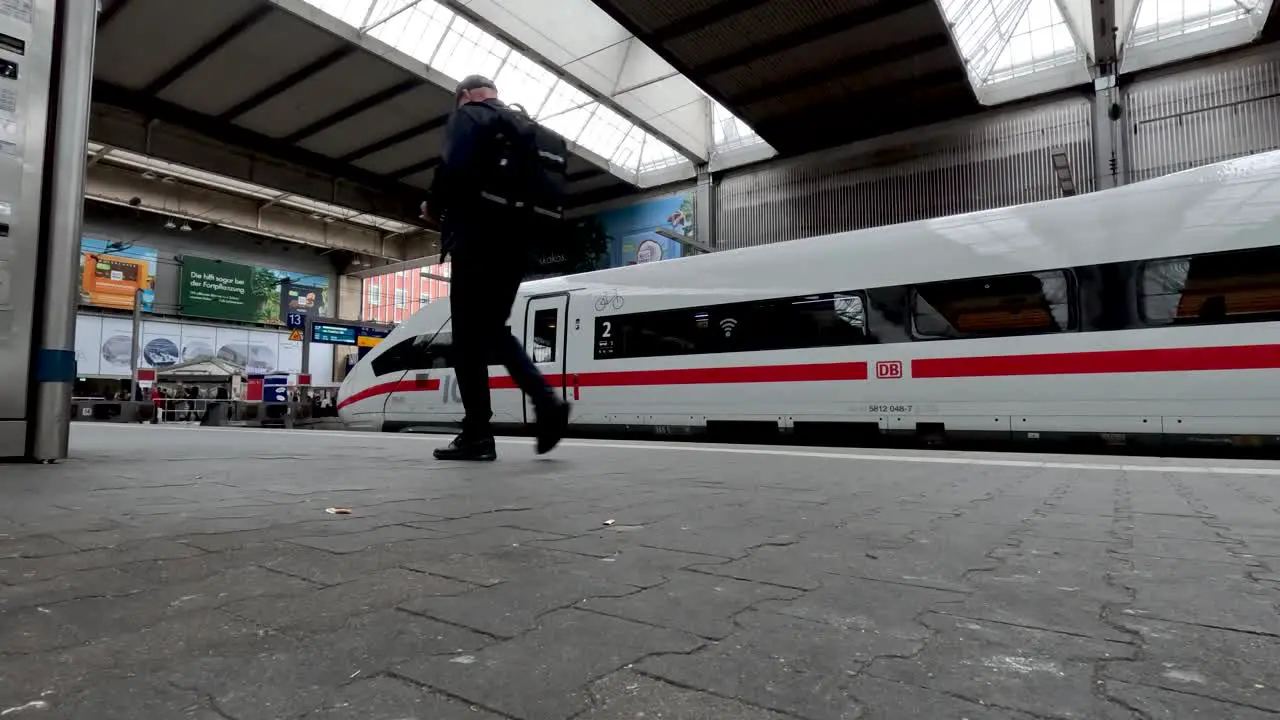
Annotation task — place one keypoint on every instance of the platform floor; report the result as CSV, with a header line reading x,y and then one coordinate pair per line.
x,y
194,573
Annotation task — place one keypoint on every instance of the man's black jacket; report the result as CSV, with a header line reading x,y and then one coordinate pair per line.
x,y
455,191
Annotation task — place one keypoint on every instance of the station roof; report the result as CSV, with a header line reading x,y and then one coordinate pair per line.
x,y
810,74
281,100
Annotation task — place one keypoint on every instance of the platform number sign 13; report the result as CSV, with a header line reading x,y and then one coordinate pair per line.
x,y
295,321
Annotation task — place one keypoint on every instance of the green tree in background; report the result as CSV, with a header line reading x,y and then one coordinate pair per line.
x,y
266,295
590,243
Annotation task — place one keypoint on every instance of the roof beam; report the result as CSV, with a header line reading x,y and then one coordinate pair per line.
x,y
1105,27
846,20
403,196
288,81
852,66
216,43
415,168
696,21
393,140
353,109
106,16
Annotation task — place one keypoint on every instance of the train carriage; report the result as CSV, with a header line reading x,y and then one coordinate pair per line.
x,y
1147,311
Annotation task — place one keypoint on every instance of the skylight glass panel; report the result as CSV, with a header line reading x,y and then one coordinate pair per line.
x,y
728,131
1165,19
384,10
656,154
525,83
628,153
468,50
351,12
604,132
416,32
571,122
980,29
1041,40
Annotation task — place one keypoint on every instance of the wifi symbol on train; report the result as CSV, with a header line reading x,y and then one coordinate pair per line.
x,y
728,324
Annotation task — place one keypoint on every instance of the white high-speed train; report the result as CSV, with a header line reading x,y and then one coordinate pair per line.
x,y
1149,311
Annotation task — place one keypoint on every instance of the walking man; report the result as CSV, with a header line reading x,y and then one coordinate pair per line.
x,y
486,232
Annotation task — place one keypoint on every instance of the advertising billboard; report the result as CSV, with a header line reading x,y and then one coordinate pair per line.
x,y
246,293
111,273
650,230
104,345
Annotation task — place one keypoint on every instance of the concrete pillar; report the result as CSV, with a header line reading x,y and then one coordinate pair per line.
x,y
348,304
1110,141
704,209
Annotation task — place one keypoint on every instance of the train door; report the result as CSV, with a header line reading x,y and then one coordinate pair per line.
x,y
545,335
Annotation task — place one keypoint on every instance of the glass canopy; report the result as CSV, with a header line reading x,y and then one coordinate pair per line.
x,y
449,43
1019,48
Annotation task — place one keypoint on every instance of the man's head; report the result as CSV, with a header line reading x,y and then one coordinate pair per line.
x,y
475,88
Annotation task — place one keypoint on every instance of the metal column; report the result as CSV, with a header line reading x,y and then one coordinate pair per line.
x,y
46,75
56,364
1110,160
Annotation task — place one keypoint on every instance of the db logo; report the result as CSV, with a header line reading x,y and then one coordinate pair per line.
x,y
889,369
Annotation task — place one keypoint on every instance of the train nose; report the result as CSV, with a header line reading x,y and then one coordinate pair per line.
x,y
344,400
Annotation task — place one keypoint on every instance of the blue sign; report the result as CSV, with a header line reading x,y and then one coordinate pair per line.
x,y
275,389
295,320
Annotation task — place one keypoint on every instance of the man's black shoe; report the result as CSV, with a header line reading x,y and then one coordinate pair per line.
x,y
553,422
464,448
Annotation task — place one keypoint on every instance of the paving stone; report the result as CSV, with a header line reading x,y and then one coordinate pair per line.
x,y
782,663
20,570
1217,594
885,700
1034,671
355,542
78,621
387,698
33,546
329,607
170,642
100,582
699,604
543,675
869,607
130,699
490,566
513,607
1192,659
1158,704
627,696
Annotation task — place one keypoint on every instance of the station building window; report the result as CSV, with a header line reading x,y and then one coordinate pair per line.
x,y
1240,286
1022,304
809,321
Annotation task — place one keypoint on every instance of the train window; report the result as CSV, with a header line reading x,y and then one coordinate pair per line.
x,y
1241,286
544,335
1021,304
810,321
425,352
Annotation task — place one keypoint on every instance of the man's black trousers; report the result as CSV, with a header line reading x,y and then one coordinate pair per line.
x,y
483,287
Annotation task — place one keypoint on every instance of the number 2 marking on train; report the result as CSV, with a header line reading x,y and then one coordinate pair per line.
x,y
608,329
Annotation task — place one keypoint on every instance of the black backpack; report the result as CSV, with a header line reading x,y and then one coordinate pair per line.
x,y
530,165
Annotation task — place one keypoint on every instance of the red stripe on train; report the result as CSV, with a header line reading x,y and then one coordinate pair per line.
x,y
1231,357
825,372
391,387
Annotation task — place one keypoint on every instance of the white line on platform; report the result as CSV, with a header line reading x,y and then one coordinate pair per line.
x,y
936,459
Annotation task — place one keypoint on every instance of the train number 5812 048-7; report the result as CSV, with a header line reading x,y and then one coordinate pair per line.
x,y
889,408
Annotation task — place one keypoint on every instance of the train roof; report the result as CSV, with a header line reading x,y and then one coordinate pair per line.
x,y
1228,205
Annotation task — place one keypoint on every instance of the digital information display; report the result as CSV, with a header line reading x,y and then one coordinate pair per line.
x,y
333,334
